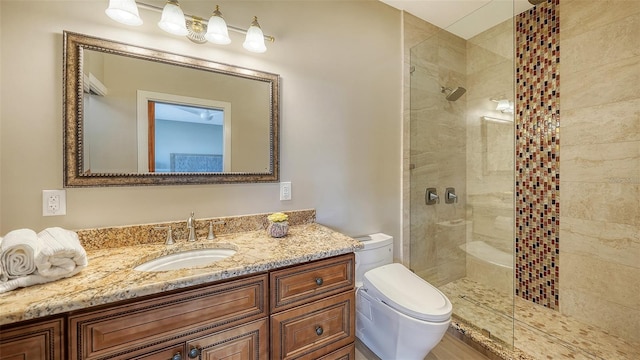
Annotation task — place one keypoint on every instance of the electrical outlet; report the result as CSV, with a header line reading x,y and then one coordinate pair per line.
x,y
285,190
54,202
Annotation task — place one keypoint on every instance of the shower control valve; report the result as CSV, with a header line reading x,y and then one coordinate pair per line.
x,y
431,196
451,196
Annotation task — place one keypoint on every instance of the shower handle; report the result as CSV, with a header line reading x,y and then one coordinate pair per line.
x,y
431,196
450,196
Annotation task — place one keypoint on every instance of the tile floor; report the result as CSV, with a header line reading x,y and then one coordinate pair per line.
x,y
539,332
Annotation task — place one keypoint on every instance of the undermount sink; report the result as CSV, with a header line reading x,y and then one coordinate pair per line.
x,y
186,259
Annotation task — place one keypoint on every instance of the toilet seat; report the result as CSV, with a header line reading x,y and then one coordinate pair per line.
x,y
401,289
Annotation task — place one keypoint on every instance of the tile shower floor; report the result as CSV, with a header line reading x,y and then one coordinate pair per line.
x,y
539,332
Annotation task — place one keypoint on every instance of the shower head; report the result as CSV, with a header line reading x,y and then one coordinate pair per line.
x,y
453,94
536,2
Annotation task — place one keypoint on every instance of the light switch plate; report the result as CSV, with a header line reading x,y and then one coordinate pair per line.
x,y
285,190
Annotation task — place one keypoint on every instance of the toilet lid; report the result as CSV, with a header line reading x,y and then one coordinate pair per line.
x,y
406,292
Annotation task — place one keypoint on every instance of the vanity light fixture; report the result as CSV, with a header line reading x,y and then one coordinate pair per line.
x,y
174,21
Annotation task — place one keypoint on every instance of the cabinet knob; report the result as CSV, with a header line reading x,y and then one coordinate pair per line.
x,y
319,330
177,356
319,281
194,352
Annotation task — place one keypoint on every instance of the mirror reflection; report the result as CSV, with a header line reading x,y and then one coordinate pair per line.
x,y
143,117
185,138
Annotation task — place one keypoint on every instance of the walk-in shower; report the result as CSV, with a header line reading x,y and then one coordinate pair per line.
x,y
495,251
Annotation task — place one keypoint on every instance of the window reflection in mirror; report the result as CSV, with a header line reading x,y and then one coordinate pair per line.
x,y
183,134
186,138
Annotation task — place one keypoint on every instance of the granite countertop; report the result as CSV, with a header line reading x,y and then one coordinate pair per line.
x,y
110,276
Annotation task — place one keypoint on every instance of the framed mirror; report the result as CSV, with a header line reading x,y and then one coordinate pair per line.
x,y
138,116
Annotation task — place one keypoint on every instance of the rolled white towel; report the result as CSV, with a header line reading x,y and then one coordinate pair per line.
x,y
17,253
61,254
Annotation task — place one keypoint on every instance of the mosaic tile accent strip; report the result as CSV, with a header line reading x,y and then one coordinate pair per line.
x,y
537,154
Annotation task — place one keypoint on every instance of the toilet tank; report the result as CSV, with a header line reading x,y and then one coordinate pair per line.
x,y
377,251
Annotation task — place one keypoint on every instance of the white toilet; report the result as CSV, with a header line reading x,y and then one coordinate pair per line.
x,y
399,316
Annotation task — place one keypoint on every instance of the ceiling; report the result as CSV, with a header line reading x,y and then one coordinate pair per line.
x,y
465,18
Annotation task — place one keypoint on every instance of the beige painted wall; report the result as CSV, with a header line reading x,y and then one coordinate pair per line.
x,y
600,164
341,114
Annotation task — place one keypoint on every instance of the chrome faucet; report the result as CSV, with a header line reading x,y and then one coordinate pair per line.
x,y
211,235
191,226
169,240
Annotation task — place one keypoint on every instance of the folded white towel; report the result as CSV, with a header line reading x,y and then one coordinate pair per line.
x,y
60,253
17,253
30,280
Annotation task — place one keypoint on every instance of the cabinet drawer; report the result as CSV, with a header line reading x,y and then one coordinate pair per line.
x,y
132,329
305,283
312,330
38,341
169,353
244,342
346,353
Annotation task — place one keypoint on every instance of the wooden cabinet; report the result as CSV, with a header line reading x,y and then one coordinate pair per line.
x,y
146,326
319,310
311,316
35,341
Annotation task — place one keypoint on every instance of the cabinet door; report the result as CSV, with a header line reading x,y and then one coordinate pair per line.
x,y
38,341
302,284
245,342
314,330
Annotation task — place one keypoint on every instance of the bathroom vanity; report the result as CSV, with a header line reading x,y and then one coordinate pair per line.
x,y
290,298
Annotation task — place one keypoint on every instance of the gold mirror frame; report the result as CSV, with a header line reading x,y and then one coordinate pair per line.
x,y
74,44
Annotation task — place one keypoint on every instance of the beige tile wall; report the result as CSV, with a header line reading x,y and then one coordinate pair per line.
x,y
490,144
490,151
600,164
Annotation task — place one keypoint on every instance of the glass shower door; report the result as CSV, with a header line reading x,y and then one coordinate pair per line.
x,y
461,144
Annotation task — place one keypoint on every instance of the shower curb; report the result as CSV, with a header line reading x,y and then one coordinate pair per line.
x,y
491,348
